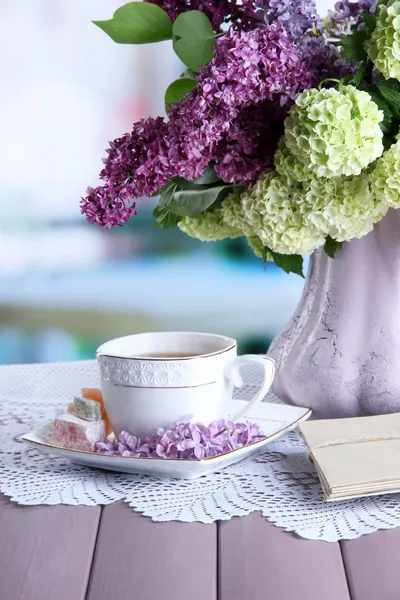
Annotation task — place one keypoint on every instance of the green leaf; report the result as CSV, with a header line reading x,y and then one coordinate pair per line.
x,y
389,89
177,90
166,194
138,23
369,22
192,24
194,39
393,84
383,106
266,256
189,203
387,141
209,176
208,179
358,77
184,184
290,263
189,74
391,96
165,218
188,199
195,53
332,246
353,45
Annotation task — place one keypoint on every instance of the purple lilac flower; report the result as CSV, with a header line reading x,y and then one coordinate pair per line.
x,y
173,7
323,59
347,14
185,440
136,166
249,68
218,11
139,158
253,66
297,16
108,205
249,146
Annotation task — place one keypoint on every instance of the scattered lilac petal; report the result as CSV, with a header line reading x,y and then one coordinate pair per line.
x,y
185,440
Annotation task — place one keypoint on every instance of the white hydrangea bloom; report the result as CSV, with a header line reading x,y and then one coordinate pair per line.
x,y
334,132
272,208
289,166
344,208
385,178
384,45
233,215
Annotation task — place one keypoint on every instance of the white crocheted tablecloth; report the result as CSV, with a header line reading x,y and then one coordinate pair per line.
x,y
280,482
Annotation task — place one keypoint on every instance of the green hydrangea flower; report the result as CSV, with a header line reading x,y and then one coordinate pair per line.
x,y
289,166
385,179
272,208
384,45
234,217
344,208
211,226
334,132
296,217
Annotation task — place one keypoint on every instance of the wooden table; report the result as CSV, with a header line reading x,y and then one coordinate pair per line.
x,y
112,553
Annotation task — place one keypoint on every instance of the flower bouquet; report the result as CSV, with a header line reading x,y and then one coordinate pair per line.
x,y
282,128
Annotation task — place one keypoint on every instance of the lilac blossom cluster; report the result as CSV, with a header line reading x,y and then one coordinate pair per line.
x,y
108,205
234,117
323,59
347,13
248,147
185,440
249,68
297,16
218,11
135,166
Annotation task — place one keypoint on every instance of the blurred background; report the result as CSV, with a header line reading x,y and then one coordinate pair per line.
x,y
65,286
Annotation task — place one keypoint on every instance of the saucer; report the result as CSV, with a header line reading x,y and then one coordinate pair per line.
x,y
274,420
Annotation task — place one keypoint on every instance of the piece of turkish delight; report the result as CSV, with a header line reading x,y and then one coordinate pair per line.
x,y
77,434
95,394
87,409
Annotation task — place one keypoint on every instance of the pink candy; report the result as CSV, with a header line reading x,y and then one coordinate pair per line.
x,y
72,432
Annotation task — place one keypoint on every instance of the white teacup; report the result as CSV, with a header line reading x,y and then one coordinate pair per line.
x,y
152,380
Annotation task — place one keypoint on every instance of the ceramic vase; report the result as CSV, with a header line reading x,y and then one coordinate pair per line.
x,y
340,352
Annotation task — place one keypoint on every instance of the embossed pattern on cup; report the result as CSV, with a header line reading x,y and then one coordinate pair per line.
x,y
145,373
158,373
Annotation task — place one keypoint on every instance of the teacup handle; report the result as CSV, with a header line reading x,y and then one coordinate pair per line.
x,y
233,373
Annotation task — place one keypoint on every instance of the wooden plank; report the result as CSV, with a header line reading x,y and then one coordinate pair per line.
x,y
46,551
138,559
372,565
258,561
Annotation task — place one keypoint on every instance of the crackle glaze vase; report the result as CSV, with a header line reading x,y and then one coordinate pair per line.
x,y
340,352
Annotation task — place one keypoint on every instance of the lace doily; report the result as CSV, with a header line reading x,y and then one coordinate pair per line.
x,y
281,482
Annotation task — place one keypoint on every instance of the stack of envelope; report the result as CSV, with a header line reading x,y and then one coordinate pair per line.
x,y
355,457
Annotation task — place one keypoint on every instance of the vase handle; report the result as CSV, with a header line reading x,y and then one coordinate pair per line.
x,y
233,373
